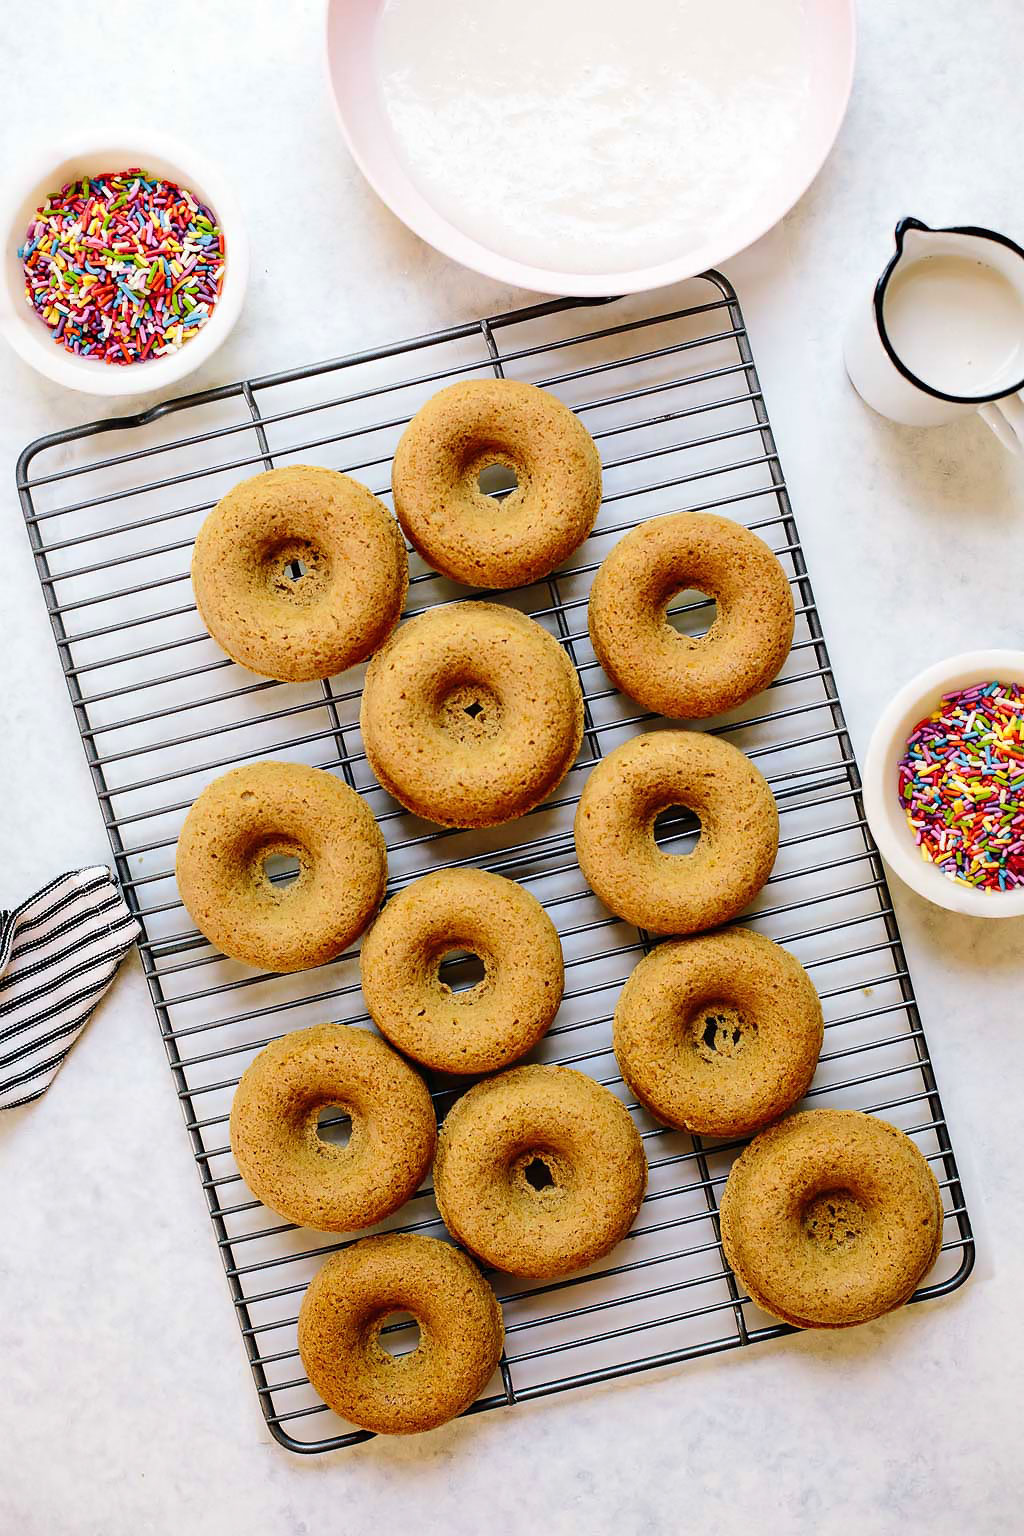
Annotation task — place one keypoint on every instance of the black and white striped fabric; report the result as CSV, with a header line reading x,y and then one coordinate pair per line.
x,y
58,954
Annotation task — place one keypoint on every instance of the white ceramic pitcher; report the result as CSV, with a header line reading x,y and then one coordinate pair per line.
x,y
944,333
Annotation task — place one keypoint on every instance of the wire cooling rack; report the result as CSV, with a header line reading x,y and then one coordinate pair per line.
x,y
674,403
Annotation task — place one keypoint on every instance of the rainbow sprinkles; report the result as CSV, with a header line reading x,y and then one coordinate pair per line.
x,y
961,783
123,266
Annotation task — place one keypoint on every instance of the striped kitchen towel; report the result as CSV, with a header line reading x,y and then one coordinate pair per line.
x,y
58,954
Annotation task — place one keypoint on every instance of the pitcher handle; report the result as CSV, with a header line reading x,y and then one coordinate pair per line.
x,y
1006,418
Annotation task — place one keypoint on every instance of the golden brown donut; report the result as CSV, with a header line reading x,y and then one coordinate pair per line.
x,y
486,1026
683,676
471,536
299,573
831,1218
672,893
720,1033
264,809
350,1298
539,1171
471,714
313,1182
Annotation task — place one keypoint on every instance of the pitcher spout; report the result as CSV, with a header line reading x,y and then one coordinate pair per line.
x,y
913,236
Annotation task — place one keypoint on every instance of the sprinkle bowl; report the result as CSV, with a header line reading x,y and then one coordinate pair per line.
x,y
27,333
882,805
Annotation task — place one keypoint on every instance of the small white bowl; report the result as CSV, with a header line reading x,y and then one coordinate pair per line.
x,y
881,801
32,339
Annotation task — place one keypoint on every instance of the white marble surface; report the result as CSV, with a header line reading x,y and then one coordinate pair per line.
x,y
125,1402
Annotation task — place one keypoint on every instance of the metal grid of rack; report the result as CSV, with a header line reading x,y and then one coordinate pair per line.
x,y
674,403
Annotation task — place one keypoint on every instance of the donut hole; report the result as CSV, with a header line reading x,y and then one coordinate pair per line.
x,y
277,865
497,480
398,1334
464,970
721,1032
834,1220
297,571
538,1172
691,613
281,869
675,829
334,1125
470,713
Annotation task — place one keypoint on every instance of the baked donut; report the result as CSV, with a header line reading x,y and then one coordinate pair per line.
x,y
486,1026
684,676
265,809
351,1296
718,1034
831,1218
664,892
539,1171
471,714
460,530
313,1182
299,573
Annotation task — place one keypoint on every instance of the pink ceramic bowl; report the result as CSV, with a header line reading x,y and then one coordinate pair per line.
x,y
365,125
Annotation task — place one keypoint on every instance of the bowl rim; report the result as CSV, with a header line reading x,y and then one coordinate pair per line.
x,y
194,170
882,809
437,231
